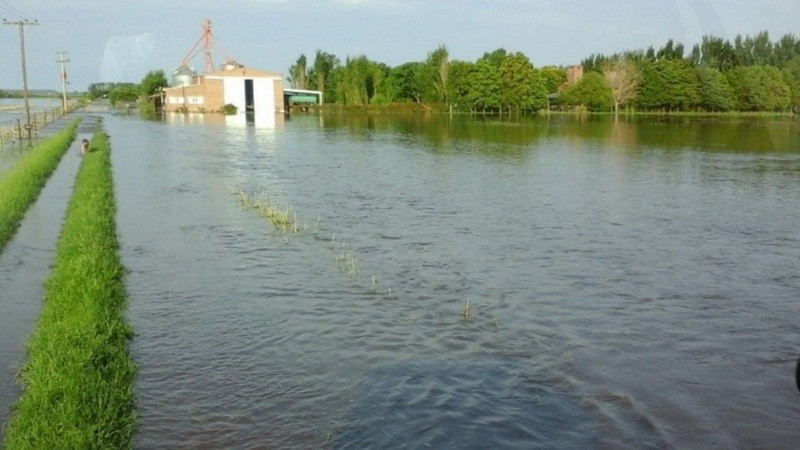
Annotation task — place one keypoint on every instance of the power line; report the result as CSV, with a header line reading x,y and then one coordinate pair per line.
x,y
10,8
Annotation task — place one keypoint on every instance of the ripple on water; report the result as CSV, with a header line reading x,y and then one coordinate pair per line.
x,y
489,404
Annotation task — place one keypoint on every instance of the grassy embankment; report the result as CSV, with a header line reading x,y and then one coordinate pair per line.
x,y
20,186
78,390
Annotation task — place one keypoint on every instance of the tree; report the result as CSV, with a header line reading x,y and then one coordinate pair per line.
x,y
98,90
484,86
715,91
668,84
670,51
360,81
553,77
495,58
298,73
521,87
760,88
124,92
153,82
320,76
406,79
791,74
433,76
623,76
591,91
714,52
459,86
787,48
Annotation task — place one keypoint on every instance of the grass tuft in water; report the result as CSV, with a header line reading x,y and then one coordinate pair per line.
x,y
282,219
78,378
467,311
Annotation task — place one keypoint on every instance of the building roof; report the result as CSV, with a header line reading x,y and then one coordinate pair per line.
x,y
243,72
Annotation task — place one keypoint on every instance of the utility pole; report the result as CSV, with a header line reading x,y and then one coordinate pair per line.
x,y
21,24
62,59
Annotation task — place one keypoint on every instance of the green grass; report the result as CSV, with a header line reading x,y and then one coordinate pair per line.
x,y
20,186
78,380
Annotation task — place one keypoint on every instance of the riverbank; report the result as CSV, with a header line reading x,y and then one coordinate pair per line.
x,y
440,109
78,379
21,185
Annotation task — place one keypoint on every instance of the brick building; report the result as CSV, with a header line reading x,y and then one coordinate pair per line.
x,y
248,89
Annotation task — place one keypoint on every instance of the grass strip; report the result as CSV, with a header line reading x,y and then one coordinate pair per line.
x,y
78,380
21,185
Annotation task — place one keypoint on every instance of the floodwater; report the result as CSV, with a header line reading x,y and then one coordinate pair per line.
x,y
13,109
627,285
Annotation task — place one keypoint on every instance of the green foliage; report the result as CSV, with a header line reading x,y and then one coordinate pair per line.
x,y
714,52
123,92
665,78
298,73
147,110
359,81
405,79
229,109
495,58
670,50
79,375
553,78
484,86
153,82
760,88
20,186
459,87
99,90
752,51
714,90
592,92
791,74
521,87
670,84
433,76
321,74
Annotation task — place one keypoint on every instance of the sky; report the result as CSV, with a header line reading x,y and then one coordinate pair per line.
x,y
121,40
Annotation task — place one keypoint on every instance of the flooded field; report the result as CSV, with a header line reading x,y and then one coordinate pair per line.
x,y
462,284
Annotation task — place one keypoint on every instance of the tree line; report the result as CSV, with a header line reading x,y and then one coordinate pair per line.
x,y
747,74
152,82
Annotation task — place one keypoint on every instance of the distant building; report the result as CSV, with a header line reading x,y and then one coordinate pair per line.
x,y
574,74
248,89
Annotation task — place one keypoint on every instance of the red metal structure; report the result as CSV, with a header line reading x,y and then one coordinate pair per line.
x,y
205,40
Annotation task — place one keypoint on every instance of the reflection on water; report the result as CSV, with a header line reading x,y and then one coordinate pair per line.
x,y
633,284
261,120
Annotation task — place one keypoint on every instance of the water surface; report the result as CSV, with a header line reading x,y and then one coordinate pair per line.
x,y
630,284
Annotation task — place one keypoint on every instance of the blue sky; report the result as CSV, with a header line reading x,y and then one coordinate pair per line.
x,y
115,40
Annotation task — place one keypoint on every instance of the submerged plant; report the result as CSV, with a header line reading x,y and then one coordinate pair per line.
x,y
467,311
285,220
282,219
